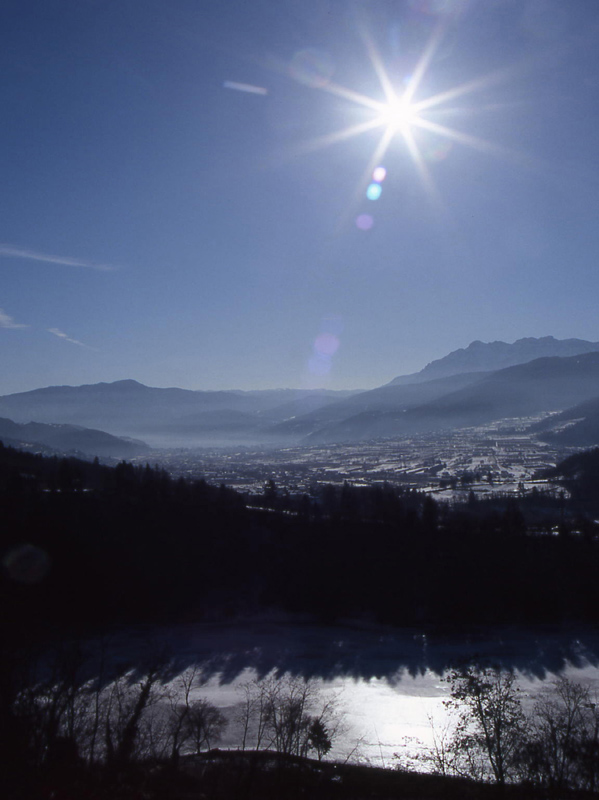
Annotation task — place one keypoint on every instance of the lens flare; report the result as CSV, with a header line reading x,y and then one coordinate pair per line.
x,y
324,347
326,344
379,174
26,563
364,222
374,191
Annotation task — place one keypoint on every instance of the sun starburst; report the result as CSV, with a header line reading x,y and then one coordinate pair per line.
x,y
398,114
401,115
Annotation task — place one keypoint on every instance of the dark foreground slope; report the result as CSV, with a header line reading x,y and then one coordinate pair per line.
x,y
222,775
86,547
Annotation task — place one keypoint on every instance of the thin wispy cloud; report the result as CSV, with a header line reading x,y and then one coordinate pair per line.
x,y
245,87
6,321
66,338
10,251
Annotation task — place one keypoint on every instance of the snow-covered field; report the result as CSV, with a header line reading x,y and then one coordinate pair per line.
x,y
388,685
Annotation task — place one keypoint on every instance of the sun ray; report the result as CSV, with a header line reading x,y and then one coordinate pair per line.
x,y
377,63
320,142
337,136
483,145
355,97
424,62
423,171
474,85
491,79
471,111
379,152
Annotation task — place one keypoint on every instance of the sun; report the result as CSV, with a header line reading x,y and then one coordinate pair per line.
x,y
400,117
398,114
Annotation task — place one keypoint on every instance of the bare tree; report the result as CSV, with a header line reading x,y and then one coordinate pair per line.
x,y
204,725
180,702
440,757
589,746
562,751
127,701
48,704
254,714
91,701
288,720
287,715
246,712
491,726
189,723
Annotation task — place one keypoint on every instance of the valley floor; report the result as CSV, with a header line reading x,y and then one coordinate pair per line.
x,y
499,457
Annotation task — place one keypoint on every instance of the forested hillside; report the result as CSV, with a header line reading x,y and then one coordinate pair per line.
x,y
84,546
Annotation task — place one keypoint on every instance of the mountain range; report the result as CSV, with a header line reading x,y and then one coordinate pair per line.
x,y
169,417
471,386
542,385
491,356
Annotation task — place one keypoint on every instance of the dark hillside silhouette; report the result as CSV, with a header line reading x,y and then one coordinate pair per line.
x,y
580,475
575,427
86,546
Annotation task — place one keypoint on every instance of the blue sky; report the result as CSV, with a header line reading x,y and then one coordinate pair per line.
x,y
171,211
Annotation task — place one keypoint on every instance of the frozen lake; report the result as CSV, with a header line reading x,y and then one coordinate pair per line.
x,y
388,683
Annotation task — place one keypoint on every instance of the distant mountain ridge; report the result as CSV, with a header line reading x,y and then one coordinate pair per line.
x,y
437,398
491,356
160,416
